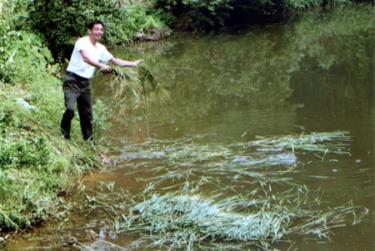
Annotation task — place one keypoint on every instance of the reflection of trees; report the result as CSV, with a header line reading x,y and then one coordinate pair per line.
x,y
229,71
338,60
256,69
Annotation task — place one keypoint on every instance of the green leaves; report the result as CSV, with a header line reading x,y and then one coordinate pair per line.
x,y
213,14
24,150
22,55
62,21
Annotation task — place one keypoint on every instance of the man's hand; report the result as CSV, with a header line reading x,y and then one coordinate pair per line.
x,y
105,68
137,62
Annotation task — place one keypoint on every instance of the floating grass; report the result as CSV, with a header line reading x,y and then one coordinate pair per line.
x,y
194,198
186,220
277,150
181,220
324,142
230,195
274,159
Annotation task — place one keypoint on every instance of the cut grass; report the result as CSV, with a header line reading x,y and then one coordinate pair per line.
x,y
134,88
234,196
187,219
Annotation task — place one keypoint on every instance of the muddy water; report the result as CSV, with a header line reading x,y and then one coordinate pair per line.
x,y
315,74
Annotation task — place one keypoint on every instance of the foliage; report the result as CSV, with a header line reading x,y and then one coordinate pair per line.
x,y
101,119
200,14
211,14
24,57
62,21
36,163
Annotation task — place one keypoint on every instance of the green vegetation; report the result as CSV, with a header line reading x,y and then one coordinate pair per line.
x,y
61,22
35,162
211,14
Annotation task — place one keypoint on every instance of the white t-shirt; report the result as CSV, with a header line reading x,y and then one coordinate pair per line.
x,y
98,53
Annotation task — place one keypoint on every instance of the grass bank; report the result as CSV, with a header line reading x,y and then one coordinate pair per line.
x,y
36,163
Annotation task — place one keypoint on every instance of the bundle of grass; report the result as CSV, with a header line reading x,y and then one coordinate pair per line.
x,y
323,142
135,87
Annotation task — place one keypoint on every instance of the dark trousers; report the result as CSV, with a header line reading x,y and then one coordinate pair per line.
x,y
77,90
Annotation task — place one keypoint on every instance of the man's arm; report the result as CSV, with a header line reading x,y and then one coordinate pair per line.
x,y
86,57
121,62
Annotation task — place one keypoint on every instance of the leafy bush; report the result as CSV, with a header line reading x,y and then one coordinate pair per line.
x,y
24,152
23,55
197,14
211,14
5,65
62,21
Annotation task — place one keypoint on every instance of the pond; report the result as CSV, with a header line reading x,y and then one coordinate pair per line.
x,y
239,103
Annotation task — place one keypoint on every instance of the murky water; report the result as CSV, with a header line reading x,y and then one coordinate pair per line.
x,y
313,75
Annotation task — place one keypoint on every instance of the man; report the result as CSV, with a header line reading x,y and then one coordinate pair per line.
x,y
88,55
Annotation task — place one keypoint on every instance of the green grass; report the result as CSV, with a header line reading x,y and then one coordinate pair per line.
x,y
36,163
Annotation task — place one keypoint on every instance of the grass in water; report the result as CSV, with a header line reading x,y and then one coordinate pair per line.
x,y
232,196
323,142
187,219
272,159
210,196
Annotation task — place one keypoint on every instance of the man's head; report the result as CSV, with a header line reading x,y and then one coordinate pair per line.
x,y
95,30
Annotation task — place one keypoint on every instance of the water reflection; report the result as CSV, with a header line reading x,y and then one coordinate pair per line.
x,y
317,62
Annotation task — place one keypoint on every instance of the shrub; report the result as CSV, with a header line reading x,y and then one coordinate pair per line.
x,y
62,21
212,14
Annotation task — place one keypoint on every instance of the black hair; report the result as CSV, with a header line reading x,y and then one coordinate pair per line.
x,y
92,23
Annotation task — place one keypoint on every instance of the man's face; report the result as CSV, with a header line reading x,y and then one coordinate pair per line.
x,y
96,32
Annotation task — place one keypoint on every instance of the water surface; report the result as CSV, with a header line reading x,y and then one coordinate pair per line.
x,y
315,74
